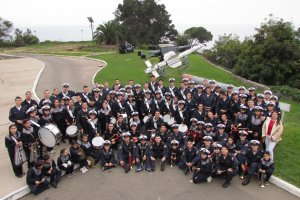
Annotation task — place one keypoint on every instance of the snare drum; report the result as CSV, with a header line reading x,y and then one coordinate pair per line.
x,y
97,142
49,135
183,128
72,131
113,120
168,119
145,119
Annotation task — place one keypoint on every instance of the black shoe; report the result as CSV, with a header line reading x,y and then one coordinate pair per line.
x,y
162,166
54,184
186,171
127,168
63,141
153,166
226,184
246,181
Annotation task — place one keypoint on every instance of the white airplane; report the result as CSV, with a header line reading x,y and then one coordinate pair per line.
x,y
171,59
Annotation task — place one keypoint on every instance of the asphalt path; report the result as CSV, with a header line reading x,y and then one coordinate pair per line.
x,y
75,71
115,184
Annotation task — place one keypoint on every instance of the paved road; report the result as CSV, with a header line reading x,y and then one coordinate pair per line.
x,y
115,184
76,71
171,184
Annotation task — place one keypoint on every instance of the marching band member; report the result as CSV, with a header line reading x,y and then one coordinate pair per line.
x,y
93,126
89,150
154,123
199,114
104,115
177,135
142,154
182,115
17,114
58,118
50,169
265,166
221,136
130,106
78,156
188,154
64,162
107,156
158,150
175,153
66,92
46,99
172,89
14,145
28,101
82,118
202,167
126,153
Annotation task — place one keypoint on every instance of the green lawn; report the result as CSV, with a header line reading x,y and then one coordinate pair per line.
x,y
130,66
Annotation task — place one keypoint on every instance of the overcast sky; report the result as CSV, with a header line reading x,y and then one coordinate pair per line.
x,y
64,19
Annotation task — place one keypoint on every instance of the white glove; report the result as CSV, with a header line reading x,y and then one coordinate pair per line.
x,y
69,163
65,165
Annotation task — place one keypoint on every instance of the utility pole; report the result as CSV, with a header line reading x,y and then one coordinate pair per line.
x,y
92,28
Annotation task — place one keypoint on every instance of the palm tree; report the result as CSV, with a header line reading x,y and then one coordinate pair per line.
x,y
107,33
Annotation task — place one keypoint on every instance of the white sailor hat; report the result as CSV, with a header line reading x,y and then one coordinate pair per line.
x,y
175,125
243,107
235,92
112,92
96,89
171,79
204,151
242,95
46,107
181,102
218,86
185,79
270,103
212,81
221,126
46,102
137,85
274,97
148,92
208,125
119,94
128,86
252,89
168,94
254,142
66,98
126,134
130,94
201,122
268,92
93,112
207,138
260,95
242,88
106,142
200,86
143,137
174,142
218,146
134,113
229,86
191,82
193,120
133,124
243,132
122,90
258,108
157,92
31,109
65,84
100,86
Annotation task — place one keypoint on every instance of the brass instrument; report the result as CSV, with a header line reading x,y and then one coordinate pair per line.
x,y
262,184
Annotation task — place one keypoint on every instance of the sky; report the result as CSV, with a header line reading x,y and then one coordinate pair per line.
x,y
63,20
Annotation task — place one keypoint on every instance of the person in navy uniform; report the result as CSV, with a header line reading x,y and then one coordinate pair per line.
x,y
202,167
17,114
107,156
172,89
175,153
50,169
267,167
252,157
66,91
225,166
142,151
35,178
158,150
188,154
126,153
28,101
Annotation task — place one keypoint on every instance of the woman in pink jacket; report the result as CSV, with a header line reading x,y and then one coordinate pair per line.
x,y
271,132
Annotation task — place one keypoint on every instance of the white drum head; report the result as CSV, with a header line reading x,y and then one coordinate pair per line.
x,y
183,128
113,120
146,119
97,141
168,119
72,130
46,137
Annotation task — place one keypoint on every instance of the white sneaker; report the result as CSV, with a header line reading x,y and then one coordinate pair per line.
x,y
85,169
209,179
82,170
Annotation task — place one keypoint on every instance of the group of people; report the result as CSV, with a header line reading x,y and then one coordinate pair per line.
x,y
202,129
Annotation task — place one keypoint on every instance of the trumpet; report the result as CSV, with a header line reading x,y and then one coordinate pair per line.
x,y
173,156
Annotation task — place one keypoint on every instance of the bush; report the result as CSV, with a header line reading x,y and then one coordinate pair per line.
x,y
291,92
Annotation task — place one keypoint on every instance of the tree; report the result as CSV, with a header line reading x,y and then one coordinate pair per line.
x,y
182,40
225,51
272,55
24,39
5,29
107,33
198,34
144,21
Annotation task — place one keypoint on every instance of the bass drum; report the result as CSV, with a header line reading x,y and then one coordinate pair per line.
x,y
72,131
168,119
49,135
113,120
97,142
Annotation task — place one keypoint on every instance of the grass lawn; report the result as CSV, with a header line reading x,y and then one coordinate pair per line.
x,y
130,66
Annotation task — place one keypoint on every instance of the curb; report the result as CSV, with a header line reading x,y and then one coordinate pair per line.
x,y
285,186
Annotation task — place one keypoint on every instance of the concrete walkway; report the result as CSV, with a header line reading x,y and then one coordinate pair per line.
x,y
16,77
